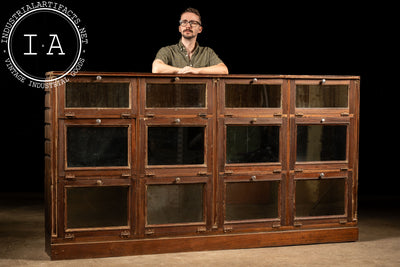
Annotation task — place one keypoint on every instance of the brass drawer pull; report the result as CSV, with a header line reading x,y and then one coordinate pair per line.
x,y
125,115
69,115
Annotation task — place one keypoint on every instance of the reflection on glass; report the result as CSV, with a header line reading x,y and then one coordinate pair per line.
x,y
256,200
175,145
174,203
97,95
320,197
321,96
252,96
97,146
321,142
172,95
97,206
252,144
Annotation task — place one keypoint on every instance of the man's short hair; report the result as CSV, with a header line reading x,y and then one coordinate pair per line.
x,y
192,10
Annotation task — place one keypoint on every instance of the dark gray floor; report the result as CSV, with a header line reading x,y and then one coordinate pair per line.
x,y
22,242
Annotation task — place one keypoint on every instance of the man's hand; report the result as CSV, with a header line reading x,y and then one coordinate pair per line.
x,y
188,70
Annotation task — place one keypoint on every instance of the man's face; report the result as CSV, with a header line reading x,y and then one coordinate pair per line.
x,y
190,31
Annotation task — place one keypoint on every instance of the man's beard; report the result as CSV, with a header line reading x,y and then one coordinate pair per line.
x,y
188,37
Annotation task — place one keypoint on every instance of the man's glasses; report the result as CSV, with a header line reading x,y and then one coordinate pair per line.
x,y
191,22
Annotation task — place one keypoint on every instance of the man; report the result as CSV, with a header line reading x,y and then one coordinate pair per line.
x,y
187,57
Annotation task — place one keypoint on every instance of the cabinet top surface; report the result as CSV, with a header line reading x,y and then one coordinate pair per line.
x,y
244,76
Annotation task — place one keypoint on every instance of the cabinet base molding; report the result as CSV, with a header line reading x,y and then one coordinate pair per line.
x,y
80,250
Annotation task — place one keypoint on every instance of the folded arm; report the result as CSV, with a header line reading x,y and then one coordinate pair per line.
x,y
160,67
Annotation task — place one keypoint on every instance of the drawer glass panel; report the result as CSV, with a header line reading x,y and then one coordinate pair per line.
x,y
97,95
255,200
175,145
97,146
322,96
97,206
321,142
252,96
169,95
252,144
175,203
320,197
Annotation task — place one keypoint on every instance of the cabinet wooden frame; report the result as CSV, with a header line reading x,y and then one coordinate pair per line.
x,y
215,175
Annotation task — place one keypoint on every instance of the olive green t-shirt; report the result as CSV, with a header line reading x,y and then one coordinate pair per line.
x,y
177,56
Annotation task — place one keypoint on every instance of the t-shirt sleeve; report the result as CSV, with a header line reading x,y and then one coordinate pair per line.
x,y
164,55
214,59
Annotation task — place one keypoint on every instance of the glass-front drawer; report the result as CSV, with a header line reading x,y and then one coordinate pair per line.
x,y
325,96
175,145
171,95
177,95
251,200
320,197
88,97
97,95
252,143
246,97
321,143
96,144
97,207
322,96
252,95
175,203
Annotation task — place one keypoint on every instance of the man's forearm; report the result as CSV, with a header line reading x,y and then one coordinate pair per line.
x,y
160,67
216,69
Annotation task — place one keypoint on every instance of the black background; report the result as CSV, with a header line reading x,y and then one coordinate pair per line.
x,y
251,37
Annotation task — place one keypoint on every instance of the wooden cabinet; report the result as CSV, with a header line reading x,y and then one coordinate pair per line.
x,y
142,163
